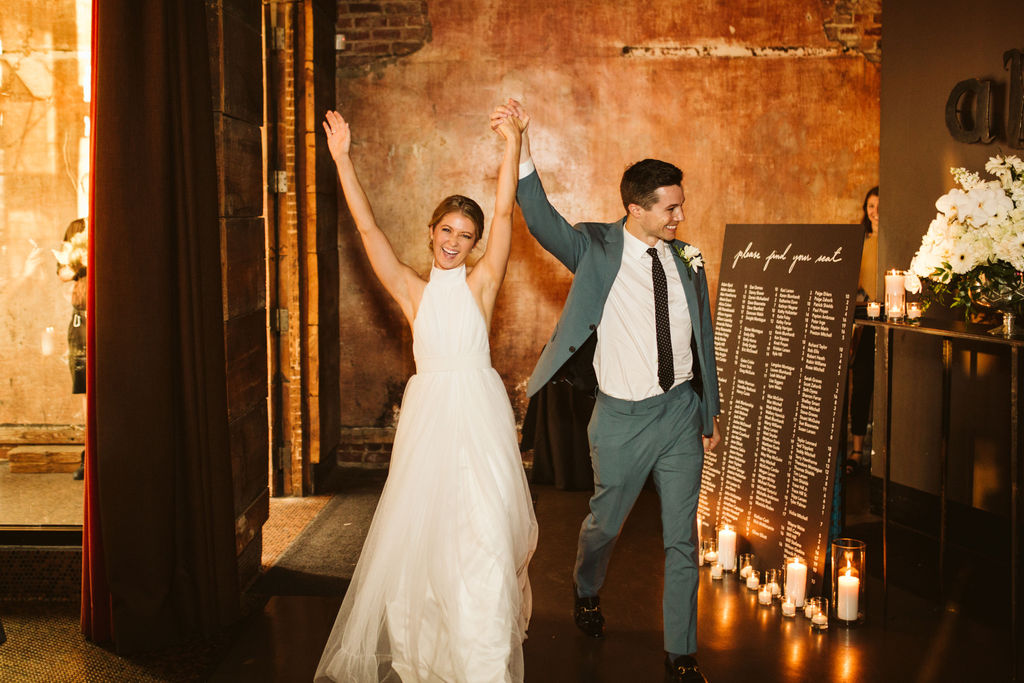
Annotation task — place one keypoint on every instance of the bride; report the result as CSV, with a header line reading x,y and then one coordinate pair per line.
x,y
441,591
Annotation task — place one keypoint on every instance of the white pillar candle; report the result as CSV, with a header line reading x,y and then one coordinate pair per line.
x,y
776,590
895,293
848,589
753,582
727,548
716,571
796,581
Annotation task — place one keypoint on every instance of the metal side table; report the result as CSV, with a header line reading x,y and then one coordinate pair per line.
x,y
949,331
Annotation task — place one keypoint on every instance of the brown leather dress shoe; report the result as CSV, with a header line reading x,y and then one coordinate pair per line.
x,y
587,615
683,670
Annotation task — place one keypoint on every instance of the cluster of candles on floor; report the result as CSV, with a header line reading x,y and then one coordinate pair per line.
x,y
788,585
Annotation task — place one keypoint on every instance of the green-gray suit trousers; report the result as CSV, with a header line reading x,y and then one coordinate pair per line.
x,y
628,441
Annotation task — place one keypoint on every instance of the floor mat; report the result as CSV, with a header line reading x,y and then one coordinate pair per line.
x,y
321,560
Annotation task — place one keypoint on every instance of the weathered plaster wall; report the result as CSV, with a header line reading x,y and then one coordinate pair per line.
x,y
771,119
44,66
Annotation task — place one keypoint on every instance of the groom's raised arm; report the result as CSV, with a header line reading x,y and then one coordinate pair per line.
x,y
548,226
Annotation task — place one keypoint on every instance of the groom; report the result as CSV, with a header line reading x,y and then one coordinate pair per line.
x,y
638,323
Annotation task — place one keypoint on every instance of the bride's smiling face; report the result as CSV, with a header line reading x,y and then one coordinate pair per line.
x,y
453,238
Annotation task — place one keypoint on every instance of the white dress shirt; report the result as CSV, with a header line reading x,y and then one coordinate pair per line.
x,y
626,357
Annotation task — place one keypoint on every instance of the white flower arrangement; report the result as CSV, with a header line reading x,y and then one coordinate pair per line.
x,y
974,248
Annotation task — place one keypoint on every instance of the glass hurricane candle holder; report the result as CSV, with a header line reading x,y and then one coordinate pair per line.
x,y
747,562
849,579
773,581
727,547
874,309
914,311
895,295
753,579
708,551
819,622
788,606
716,571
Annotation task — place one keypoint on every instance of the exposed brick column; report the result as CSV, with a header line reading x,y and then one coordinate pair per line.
x,y
857,26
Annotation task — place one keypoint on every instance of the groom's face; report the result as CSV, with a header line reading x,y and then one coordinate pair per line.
x,y
661,220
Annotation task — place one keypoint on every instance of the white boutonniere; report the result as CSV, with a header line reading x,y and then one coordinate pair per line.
x,y
691,257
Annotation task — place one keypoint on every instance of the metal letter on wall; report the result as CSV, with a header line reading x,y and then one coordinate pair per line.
x,y
1013,60
976,128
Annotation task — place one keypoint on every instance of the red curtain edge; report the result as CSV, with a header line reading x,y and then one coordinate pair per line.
x,y
97,617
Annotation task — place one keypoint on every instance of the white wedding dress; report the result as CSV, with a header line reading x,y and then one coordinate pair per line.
x,y
441,592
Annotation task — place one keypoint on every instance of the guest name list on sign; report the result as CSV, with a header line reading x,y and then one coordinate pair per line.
x,y
783,321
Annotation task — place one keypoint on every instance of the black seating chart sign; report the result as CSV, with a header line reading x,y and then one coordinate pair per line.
x,y
783,322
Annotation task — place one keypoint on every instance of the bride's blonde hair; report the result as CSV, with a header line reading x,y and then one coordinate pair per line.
x,y
457,203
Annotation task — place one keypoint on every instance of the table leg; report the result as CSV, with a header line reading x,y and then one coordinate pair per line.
x,y
947,381
1014,509
887,339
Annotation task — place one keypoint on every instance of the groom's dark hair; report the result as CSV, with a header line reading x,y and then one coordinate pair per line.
x,y
641,181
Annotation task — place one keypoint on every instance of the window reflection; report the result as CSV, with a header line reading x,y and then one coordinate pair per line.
x,y
44,129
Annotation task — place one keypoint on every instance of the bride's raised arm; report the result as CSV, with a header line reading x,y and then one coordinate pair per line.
x,y
493,263
401,281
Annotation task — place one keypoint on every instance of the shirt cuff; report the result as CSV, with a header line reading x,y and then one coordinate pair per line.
x,y
526,168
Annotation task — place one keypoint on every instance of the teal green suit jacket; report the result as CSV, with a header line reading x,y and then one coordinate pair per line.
x,y
593,252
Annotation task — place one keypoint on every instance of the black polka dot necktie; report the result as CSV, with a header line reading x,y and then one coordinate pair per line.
x,y
666,373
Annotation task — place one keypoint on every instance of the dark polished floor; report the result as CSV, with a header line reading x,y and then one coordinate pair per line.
x,y
738,640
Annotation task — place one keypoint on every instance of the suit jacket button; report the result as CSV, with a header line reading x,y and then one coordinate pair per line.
x,y
572,349
593,327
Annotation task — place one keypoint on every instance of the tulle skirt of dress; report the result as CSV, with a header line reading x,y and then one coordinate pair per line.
x,y
440,592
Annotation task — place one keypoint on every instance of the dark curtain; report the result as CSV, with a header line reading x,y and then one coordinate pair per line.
x,y
95,592
555,427
163,471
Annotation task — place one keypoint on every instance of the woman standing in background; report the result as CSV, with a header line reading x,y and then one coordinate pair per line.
x,y
862,359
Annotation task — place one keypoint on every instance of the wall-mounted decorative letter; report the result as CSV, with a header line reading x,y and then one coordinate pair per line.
x,y
963,124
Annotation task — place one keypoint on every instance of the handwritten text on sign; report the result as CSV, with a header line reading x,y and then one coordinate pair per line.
x,y
783,319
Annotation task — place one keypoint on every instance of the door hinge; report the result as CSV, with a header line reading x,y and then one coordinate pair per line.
x,y
279,321
279,39
279,182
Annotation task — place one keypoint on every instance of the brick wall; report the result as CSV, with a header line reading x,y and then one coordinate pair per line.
x,y
857,26
368,447
376,32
